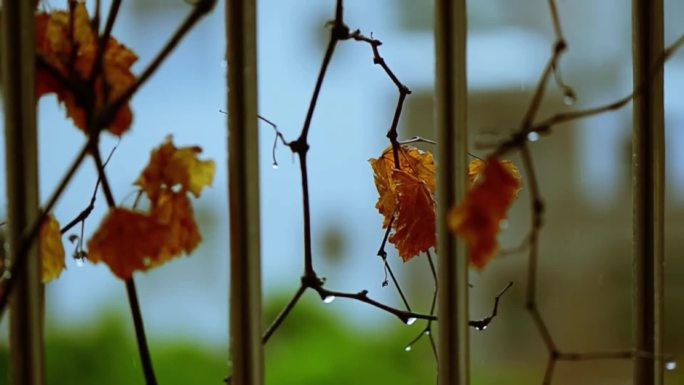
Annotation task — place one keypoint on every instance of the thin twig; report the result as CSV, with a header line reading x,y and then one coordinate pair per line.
x,y
85,213
392,135
278,135
283,314
388,269
427,330
102,42
148,369
20,258
519,141
200,9
417,139
406,317
545,125
483,323
300,146
141,339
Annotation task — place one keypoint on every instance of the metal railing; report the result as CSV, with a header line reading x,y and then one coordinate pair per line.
x,y
451,104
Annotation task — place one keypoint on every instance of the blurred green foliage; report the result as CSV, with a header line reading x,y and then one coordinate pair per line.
x,y
311,347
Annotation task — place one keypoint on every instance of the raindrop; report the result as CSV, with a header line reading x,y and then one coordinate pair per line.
x,y
328,298
503,224
275,166
671,365
79,262
407,348
569,98
411,320
533,136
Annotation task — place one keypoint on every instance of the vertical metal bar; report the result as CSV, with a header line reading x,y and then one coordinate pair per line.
x,y
451,118
648,181
243,182
26,308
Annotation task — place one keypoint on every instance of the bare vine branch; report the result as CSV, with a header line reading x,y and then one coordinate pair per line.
x,y
519,142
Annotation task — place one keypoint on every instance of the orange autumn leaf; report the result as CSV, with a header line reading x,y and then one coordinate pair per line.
x,y
476,166
51,249
414,225
174,212
170,166
476,219
129,241
68,44
407,194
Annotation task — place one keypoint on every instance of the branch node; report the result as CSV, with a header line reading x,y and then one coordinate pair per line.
x,y
312,281
560,46
340,31
299,146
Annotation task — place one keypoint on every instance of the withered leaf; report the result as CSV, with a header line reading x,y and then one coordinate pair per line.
x,y
476,219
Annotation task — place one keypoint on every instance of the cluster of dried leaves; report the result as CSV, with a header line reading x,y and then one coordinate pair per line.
x,y
126,240
131,240
67,42
407,202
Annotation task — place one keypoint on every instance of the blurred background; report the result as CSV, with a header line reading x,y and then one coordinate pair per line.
x,y
584,279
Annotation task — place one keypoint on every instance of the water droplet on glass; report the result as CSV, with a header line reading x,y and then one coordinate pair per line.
x,y
275,166
411,320
533,136
569,98
671,365
503,224
328,299
407,348
79,262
